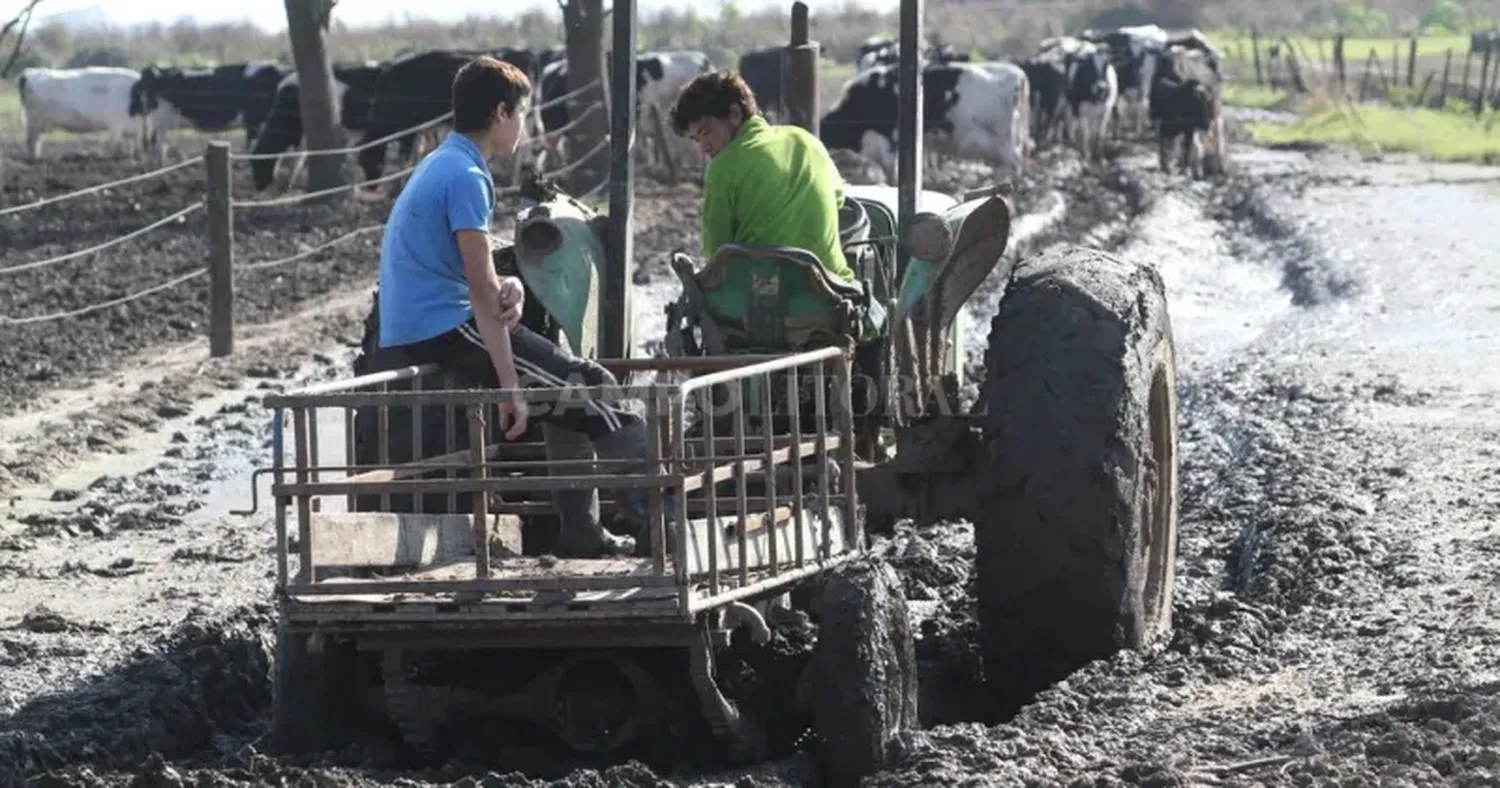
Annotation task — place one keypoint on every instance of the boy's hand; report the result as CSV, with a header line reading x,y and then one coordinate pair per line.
x,y
513,417
512,300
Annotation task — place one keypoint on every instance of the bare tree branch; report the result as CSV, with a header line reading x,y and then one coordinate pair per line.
x,y
22,18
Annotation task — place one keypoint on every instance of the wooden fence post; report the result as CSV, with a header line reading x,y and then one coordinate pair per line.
x,y
1255,50
1395,64
1484,72
1443,92
1411,62
220,252
1338,60
1463,89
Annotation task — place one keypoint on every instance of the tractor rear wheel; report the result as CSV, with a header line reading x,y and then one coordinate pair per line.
x,y
1078,542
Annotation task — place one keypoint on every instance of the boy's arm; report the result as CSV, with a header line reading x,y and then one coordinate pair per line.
x,y
718,211
469,210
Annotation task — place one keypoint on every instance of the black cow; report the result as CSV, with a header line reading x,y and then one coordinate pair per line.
x,y
416,89
761,70
207,99
1482,42
354,87
1186,102
1049,84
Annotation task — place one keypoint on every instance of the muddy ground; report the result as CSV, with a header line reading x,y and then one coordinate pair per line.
x,y
1336,614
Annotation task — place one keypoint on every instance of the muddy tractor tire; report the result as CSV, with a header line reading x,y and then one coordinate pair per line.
x,y
861,683
1078,540
311,693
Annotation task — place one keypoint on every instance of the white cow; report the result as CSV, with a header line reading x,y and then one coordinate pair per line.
x,y
78,100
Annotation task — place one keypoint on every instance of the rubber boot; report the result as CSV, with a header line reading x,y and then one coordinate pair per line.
x,y
629,443
581,534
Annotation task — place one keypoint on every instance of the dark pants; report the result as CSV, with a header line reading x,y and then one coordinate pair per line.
x,y
539,364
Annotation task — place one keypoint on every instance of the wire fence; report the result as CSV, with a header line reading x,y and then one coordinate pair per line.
x,y
218,265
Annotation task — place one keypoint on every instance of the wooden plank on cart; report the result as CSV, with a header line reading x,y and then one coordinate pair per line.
x,y
387,539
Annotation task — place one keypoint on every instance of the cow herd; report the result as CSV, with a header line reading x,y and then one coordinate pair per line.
x,y
1074,89
373,101
1077,89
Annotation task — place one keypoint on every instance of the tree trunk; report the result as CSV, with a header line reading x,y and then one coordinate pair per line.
x,y
584,25
307,25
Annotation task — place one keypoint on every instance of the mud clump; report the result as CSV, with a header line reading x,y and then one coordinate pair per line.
x,y
208,679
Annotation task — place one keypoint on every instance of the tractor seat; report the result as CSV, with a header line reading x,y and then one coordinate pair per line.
x,y
854,290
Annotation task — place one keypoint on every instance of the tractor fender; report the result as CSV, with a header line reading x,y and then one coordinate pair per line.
x,y
559,255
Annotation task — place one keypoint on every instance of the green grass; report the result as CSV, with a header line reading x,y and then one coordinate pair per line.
x,y
10,106
1432,134
1248,94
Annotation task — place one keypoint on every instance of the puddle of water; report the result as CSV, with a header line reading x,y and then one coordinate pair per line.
x,y
1218,302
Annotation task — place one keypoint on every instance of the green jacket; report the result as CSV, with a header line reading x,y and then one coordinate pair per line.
x,y
775,185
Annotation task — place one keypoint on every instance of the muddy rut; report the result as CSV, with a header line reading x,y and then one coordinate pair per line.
x,y
1335,618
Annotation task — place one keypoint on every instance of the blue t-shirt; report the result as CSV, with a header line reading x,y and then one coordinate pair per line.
x,y
423,289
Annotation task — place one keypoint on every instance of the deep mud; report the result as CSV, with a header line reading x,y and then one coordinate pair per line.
x,y
1336,612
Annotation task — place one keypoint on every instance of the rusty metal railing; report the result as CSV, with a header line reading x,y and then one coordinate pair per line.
x,y
711,555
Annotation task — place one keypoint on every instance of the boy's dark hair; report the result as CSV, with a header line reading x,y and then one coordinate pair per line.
x,y
711,96
481,85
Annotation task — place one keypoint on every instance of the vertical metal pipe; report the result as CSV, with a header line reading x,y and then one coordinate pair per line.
x,y
710,489
351,452
481,498
794,403
654,530
383,441
743,505
853,529
418,451
820,421
616,341
450,439
278,461
304,501
908,127
799,75
768,451
679,455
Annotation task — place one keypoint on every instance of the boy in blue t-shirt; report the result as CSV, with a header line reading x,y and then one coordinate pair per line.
x,y
441,301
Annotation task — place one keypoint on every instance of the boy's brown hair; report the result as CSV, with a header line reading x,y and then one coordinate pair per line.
x,y
483,84
711,96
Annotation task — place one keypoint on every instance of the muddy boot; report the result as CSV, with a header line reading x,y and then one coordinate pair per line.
x,y
581,534
629,443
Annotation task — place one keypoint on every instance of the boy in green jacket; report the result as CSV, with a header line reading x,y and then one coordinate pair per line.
x,y
771,185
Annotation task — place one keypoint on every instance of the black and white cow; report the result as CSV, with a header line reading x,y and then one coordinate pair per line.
x,y
1132,52
761,69
354,87
79,100
890,55
414,90
969,110
1093,89
1196,40
1186,104
207,99
1048,79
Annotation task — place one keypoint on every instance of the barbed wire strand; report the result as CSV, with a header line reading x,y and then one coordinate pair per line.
x,y
445,117
17,321
293,199
101,187
576,163
107,244
565,128
263,264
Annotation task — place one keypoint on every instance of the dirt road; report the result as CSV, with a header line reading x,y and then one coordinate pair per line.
x,y
1336,613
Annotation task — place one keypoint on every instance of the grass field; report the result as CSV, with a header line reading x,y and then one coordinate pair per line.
x,y
1433,134
1230,42
1245,94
